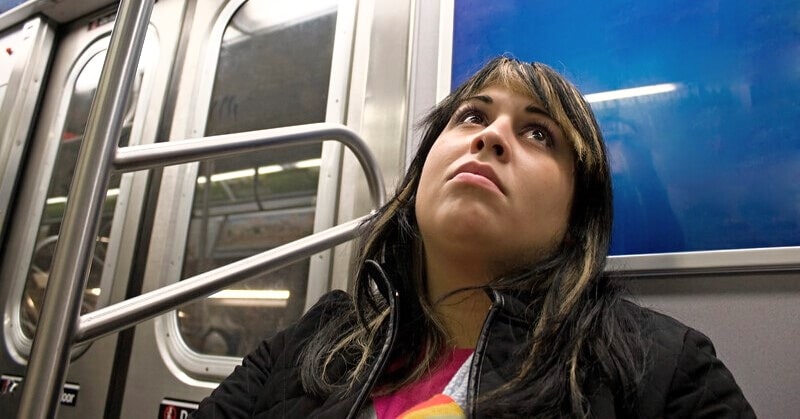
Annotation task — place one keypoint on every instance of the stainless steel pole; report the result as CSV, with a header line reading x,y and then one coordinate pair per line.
x,y
41,389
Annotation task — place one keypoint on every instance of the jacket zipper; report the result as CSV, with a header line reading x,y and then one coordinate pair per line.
x,y
388,344
480,350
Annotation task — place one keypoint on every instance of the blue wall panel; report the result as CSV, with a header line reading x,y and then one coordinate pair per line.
x,y
713,164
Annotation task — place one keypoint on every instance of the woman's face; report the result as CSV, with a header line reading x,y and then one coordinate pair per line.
x,y
497,185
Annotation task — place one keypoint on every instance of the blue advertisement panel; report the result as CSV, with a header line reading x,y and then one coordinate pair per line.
x,y
6,5
699,102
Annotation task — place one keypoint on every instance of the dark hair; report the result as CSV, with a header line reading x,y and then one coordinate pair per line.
x,y
579,327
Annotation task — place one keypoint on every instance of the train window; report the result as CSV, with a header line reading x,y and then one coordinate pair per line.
x,y
698,104
273,70
80,99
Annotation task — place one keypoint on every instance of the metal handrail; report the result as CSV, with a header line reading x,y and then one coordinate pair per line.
x,y
124,314
148,156
60,325
127,313
134,310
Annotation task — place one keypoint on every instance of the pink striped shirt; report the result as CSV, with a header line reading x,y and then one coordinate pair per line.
x,y
393,405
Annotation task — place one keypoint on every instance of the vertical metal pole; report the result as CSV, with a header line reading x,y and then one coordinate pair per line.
x,y
41,389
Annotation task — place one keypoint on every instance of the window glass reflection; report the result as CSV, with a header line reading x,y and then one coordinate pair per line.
x,y
80,100
273,70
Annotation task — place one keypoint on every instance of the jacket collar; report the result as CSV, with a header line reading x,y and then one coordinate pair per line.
x,y
511,306
508,304
509,323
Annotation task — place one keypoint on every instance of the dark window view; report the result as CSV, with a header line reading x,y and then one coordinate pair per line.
x,y
273,71
80,101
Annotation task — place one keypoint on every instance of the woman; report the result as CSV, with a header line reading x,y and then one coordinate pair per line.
x,y
480,289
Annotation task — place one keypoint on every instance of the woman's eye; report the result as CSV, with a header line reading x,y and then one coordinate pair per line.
x,y
472,118
539,135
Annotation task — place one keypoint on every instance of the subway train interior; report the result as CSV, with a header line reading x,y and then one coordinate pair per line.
x,y
698,101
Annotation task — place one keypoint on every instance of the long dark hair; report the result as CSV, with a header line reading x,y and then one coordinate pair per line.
x,y
579,330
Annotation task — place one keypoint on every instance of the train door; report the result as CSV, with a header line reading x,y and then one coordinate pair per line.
x,y
254,65
34,222
248,65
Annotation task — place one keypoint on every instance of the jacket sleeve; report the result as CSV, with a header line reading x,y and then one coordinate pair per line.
x,y
702,387
237,395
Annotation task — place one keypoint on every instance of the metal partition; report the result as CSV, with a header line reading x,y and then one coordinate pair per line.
x,y
98,158
20,88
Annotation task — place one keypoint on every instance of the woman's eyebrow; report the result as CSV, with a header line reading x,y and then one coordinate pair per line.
x,y
538,110
533,108
482,98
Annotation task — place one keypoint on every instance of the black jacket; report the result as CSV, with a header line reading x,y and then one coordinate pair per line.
x,y
683,379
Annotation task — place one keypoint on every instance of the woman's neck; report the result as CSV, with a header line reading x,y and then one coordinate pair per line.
x,y
463,315
463,312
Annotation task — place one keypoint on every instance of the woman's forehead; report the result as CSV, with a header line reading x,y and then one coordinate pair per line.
x,y
490,94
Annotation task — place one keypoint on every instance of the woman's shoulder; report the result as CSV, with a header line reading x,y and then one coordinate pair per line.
x,y
293,338
658,328
269,374
331,305
667,341
666,337
683,373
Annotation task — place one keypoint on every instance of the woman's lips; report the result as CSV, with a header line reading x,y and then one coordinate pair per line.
x,y
479,173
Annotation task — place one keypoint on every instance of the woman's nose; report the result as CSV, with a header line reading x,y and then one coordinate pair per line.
x,y
491,140
479,143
